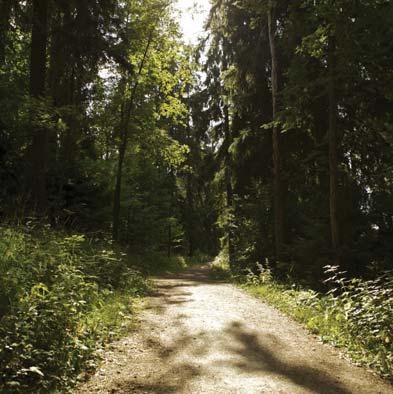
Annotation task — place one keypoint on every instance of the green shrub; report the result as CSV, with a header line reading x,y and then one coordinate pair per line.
x,y
365,309
61,296
220,268
355,314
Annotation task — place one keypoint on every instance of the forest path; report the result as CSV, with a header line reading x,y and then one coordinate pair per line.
x,y
199,336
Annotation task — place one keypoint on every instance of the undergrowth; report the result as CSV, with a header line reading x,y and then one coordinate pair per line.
x,y
220,269
157,263
355,315
61,298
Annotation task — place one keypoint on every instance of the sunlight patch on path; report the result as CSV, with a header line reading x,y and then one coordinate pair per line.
x,y
198,336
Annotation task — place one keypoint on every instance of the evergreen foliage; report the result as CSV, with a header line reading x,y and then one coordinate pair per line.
x,y
333,107
269,140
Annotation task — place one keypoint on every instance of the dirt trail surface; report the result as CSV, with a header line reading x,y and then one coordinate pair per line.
x,y
200,336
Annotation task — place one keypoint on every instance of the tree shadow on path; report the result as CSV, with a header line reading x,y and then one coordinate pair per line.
x,y
193,357
255,357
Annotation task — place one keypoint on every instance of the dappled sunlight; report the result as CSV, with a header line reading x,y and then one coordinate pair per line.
x,y
191,192
199,336
234,351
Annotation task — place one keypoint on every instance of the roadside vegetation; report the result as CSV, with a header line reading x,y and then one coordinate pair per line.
x,y
352,314
157,263
61,298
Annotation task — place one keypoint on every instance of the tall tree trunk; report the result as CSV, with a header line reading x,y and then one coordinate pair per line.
x,y
5,15
124,134
55,88
191,216
37,92
117,193
190,190
229,188
333,155
278,197
65,86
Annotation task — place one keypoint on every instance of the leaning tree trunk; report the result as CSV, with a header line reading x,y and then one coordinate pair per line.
x,y
333,155
39,147
277,181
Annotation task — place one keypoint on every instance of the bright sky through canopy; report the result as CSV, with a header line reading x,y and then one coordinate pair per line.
x,y
193,14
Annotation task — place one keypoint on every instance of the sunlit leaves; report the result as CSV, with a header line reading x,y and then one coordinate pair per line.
x,y
315,44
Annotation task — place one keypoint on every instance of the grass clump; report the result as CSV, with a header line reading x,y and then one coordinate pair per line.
x,y
61,297
356,314
220,269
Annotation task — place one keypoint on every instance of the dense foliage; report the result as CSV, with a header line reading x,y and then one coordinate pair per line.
x,y
319,190
99,144
269,141
55,293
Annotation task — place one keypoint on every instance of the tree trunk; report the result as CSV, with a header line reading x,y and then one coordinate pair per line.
x,y
229,193
229,188
191,216
169,241
333,155
37,92
5,15
124,133
276,138
117,194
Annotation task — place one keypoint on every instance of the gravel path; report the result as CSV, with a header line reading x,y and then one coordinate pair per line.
x,y
199,336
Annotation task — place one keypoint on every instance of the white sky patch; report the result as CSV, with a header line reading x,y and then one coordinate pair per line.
x,y
193,14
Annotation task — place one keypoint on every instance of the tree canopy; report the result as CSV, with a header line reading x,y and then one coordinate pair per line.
x,y
270,140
